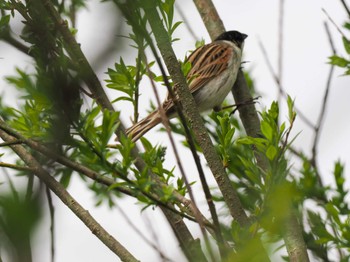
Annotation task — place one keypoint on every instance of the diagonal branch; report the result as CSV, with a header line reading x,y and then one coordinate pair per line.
x,y
191,112
69,201
279,85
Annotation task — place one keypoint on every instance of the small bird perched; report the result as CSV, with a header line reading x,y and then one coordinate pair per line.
x,y
211,77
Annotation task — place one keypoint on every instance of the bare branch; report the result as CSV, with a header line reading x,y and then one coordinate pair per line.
x,y
345,7
52,223
187,23
279,85
320,121
280,40
135,228
332,21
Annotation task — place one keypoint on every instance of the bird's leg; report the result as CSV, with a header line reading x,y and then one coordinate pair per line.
x,y
248,102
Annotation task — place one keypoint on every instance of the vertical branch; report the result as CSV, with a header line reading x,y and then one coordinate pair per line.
x,y
192,146
52,223
165,121
318,126
191,113
280,40
280,48
293,238
210,17
137,83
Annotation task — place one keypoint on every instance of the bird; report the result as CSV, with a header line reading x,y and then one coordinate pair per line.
x,y
214,69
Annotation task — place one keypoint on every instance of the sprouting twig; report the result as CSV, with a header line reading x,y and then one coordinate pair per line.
x,y
104,180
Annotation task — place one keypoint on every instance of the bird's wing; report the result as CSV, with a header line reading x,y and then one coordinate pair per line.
x,y
208,62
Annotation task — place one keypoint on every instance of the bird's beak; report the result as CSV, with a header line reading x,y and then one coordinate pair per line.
x,y
244,36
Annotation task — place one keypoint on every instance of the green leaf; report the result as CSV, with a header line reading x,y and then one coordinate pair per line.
x,y
339,61
271,152
347,25
4,21
346,43
291,112
333,212
266,129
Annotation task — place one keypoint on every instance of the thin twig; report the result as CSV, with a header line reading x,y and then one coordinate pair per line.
x,y
345,7
320,121
147,241
280,47
154,233
187,23
52,223
137,83
332,21
279,85
17,44
17,167
11,143
280,40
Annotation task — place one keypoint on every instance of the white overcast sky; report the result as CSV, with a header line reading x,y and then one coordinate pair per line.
x,y
305,72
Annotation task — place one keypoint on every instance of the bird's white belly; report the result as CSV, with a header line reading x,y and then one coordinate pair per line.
x,y
214,93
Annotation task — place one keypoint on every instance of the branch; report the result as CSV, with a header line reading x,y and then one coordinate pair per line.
x,y
210,17
69,201
293,237
345,7
251,124
91,80
191,143
192,115
96,176
280,87
321,116
52,223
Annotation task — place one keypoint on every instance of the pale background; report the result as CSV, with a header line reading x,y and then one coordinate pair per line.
x,y
305,72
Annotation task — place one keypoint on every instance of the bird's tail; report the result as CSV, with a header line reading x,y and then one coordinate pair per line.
x,y
143,126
